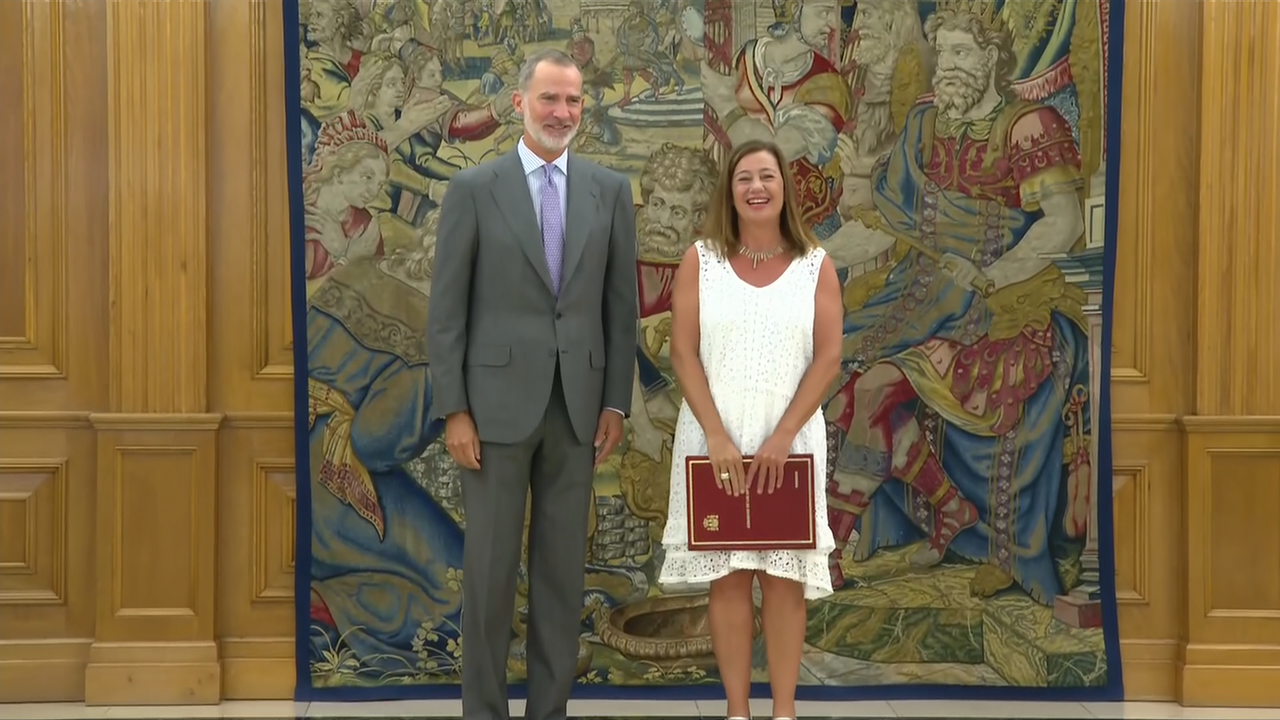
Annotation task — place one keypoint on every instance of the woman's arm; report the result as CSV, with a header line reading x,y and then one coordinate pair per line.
x,y
828,316
685,338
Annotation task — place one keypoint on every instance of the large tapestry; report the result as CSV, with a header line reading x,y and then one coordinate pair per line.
x,y
969,137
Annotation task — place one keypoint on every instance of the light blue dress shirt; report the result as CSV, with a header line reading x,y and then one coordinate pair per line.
x,y
536,177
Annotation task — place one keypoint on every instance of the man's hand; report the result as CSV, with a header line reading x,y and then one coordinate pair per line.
x,y
436,190
608,434
502,104
461,439
422,113
966,273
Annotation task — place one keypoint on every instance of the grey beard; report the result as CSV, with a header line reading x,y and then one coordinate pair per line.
x,y
664,242
872,51
957,100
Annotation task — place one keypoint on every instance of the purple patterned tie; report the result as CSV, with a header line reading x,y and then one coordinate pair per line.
x,y
552,227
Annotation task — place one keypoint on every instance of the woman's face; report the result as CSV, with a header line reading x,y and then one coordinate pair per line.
x,y
430,74
758,192
362,183
391,94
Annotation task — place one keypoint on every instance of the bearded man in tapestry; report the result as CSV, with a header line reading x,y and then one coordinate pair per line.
x,y
967,372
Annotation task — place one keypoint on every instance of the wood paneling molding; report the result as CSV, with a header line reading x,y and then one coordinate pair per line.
x,y
33,322
272,316
155,634
53,339
159,228
33,519
251,363
30,419
1231,641
1151,357
1231,653
1238,324
251,359
1155,243
156,526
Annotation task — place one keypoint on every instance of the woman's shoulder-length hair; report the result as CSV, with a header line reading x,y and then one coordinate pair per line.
x,y
720,231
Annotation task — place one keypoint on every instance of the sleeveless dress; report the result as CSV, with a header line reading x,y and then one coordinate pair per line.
x,y
756,344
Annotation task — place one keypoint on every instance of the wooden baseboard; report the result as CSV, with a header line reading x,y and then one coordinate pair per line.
x,y
257,668
153,673
43,670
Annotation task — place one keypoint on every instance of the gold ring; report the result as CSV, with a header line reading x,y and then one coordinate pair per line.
x,y
724,475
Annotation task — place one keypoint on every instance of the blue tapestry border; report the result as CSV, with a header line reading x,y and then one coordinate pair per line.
x,y
1112,691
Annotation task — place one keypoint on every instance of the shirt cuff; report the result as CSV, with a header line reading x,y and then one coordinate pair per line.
x,y
617,411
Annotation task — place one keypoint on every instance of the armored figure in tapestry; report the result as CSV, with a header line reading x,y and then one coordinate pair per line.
x,y
642,53
950,157
969,367
785,87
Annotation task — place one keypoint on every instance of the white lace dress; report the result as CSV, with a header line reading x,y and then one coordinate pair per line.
x,y
756,345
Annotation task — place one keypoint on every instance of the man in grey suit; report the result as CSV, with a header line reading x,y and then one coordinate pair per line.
x,y
532,329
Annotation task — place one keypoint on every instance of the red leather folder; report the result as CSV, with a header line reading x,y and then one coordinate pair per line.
x,y
783,520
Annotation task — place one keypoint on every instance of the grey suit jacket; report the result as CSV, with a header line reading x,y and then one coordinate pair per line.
x,y
495,328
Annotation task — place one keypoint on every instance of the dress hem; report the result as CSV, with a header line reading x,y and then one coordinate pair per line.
x,y
812,590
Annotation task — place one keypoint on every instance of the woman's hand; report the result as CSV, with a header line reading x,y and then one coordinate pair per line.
x,y
365,244
765,472
726,461
326,228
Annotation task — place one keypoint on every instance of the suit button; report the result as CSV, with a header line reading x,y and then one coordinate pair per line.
x,y
559,316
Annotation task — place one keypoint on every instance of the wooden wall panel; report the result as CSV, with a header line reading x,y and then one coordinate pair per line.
x,y
52,243
1148,546
1155,262
251,367
46,558
150,235
1232,435
155,528
257,500
33,298
52,152
1152,353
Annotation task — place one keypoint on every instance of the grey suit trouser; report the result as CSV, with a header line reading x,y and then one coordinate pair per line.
x,y
558,470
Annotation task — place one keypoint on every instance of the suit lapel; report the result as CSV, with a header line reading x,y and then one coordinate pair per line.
x,y
510,190
582,204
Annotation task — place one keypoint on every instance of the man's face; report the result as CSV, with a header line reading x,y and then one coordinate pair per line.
x,y
873,23
819,20
668,221
964,71
322,25
552,107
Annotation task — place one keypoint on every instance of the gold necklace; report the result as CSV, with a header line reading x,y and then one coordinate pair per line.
x,y
756,256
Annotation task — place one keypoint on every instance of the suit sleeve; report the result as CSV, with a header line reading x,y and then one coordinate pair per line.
x,y
621,316
456,240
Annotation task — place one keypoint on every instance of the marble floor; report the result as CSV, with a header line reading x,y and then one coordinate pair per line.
x,y
583,709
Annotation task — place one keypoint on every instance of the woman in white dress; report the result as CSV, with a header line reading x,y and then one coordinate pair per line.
x,y
755,345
